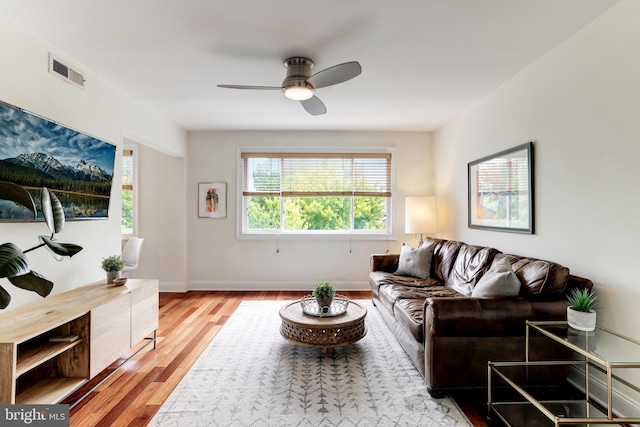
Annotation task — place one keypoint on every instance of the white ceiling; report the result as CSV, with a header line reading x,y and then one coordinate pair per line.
x,y
423,61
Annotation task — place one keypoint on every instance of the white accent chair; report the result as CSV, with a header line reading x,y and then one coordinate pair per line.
x,y
131,254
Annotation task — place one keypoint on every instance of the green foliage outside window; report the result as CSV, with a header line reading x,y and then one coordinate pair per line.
x,y
263,213
127,191
316,213
127,210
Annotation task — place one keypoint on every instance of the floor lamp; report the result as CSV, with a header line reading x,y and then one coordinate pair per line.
x,y
420,216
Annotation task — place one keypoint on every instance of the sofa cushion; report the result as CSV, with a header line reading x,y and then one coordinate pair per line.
x,y
399,292
470,265
539,278
409,313
444,257
415,262
378,278
498,281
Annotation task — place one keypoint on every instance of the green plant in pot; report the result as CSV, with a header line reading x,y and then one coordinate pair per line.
x,y
14,264
581,313
113,265
324,293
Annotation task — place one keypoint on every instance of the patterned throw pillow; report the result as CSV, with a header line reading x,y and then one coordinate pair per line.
x,y
416,262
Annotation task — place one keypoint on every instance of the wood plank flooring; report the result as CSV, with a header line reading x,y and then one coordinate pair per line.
x,y
188,322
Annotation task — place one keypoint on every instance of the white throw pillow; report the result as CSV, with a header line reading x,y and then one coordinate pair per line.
x,y
499,281
416,262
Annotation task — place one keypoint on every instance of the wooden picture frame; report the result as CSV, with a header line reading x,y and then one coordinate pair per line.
x,y
212,200
500,188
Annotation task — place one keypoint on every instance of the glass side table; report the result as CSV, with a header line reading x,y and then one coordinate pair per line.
x,y
534,403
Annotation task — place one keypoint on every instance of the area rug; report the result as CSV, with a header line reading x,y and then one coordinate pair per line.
x,y
250,376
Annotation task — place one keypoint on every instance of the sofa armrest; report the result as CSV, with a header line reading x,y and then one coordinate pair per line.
x,y
576,282
385,262
466,316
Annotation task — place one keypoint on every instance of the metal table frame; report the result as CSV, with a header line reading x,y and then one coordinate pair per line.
x,y
591,360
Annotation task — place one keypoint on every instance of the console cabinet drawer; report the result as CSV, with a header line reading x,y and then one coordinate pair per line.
x,y
145,306
110,333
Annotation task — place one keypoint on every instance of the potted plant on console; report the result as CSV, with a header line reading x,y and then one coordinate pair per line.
x,y
113,265
580,313
324,293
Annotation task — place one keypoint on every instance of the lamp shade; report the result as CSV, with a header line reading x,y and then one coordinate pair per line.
x,y
420,215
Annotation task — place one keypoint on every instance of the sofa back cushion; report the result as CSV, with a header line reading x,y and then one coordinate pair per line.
x,y
470,265
540,279
444,256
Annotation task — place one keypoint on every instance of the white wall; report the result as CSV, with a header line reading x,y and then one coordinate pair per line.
x,y
218,260
580,104
161,218
100,110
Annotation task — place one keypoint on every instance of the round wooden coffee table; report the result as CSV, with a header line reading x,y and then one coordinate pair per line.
x,y
323,332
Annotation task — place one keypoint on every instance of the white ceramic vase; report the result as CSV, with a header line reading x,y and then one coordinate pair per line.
x,y
581,320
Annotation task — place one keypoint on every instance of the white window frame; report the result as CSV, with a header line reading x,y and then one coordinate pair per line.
x,y
243,234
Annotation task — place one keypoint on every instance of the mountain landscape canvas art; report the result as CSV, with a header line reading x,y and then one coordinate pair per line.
x,y
36,152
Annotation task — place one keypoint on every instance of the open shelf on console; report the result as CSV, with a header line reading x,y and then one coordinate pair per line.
x,y
34,354
46,390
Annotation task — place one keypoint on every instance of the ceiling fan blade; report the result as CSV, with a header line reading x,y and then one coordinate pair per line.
x,y
336,74
251,87
314,106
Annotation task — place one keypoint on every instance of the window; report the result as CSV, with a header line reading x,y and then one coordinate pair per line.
x,y
317,193
127,191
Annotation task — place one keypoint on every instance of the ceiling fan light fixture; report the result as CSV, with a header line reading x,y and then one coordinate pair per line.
x,y
298,93
300,85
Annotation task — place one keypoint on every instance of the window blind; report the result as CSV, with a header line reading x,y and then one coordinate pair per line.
x,y
503,176
316,174
127,170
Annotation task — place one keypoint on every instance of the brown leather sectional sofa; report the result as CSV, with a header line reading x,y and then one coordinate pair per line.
x,y
450,335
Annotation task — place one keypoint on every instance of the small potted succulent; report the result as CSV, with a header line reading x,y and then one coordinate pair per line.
x,y
324,293
113,265
580,313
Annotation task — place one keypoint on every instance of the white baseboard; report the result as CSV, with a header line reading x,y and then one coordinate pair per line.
x,y
298,285
173,287
625,405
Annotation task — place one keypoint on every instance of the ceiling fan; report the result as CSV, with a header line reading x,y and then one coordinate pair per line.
x,y
300,85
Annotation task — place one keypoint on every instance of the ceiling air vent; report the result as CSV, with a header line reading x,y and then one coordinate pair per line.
x,y
65,72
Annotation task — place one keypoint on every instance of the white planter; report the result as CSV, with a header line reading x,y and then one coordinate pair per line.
x,y
581,320
112,275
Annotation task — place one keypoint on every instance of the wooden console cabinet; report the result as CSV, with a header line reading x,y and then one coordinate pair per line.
x,y
108,321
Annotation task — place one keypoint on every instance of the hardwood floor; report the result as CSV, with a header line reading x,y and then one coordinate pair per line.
x,y
188,322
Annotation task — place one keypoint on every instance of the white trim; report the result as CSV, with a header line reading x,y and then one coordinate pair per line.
x,y
140,140
298,285
173,287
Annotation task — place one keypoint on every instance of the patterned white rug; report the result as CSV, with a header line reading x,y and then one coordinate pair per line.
x,y
250,376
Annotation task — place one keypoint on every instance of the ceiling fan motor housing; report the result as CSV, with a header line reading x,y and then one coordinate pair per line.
x,y
298,71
